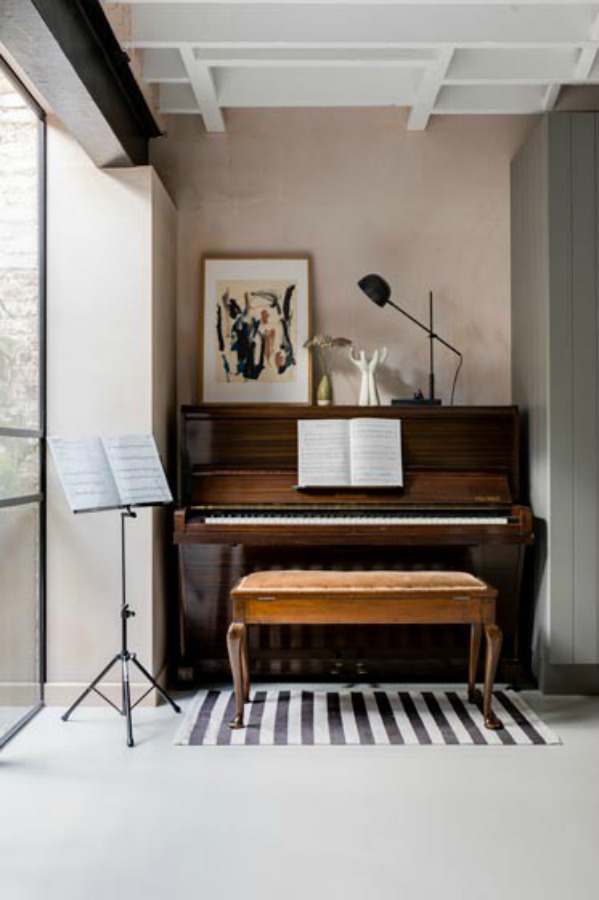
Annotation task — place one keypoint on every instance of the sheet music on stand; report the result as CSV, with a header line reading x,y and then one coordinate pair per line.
x,y
110,473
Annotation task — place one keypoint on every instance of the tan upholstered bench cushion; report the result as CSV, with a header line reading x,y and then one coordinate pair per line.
x,y
344,582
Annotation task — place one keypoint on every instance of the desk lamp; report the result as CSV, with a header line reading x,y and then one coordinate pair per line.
x,y
376,288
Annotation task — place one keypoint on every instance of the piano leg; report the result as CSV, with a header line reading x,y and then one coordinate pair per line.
x,y
235,640
494,640
476,633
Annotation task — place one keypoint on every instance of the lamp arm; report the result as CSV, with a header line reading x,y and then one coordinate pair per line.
x,y
449,347
423,327
409,316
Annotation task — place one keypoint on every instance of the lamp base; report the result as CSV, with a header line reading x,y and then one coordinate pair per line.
x,y
416,401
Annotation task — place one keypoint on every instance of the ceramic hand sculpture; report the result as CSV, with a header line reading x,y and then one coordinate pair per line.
x,y
369,395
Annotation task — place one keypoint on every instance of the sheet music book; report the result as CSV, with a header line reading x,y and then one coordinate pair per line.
x,y
349,452
110,473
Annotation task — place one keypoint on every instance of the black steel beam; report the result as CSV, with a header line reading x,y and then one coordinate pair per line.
x,y
69,52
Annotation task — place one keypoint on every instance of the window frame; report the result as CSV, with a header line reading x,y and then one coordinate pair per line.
x,y
38,433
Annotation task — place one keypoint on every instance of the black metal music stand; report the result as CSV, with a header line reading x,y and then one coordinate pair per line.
x,y
124,656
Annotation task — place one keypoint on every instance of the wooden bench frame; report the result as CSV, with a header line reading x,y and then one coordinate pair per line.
x,y
368,607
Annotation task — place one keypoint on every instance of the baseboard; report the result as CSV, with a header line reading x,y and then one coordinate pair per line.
x,y
57,693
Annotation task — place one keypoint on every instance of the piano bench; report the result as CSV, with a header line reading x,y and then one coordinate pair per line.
x,y
312,597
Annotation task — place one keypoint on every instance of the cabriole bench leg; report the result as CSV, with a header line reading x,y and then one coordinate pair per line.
x,y
476,633
235,640
494,640
245,666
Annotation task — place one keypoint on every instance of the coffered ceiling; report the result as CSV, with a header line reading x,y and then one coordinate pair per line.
x,y
441,58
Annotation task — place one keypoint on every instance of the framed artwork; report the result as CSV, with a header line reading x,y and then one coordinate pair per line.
x,y
254,321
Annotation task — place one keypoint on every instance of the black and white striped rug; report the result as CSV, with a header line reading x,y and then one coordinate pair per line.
x,y
326,714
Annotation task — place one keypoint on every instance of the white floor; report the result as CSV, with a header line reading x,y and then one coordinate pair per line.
x,y
82,817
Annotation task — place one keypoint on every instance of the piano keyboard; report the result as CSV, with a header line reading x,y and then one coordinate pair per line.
x,y
340,519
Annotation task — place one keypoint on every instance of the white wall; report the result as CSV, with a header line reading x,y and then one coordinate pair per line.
x,y
109,294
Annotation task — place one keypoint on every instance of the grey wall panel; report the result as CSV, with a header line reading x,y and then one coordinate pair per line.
x,y
555,346
561,418
584,386
596,549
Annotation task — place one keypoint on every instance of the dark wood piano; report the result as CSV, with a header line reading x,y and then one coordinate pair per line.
x,y
240,511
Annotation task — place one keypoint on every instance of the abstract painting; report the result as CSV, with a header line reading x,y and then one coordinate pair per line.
x,y
255,319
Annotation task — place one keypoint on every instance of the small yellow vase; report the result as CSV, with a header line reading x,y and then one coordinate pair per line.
x,y
324,392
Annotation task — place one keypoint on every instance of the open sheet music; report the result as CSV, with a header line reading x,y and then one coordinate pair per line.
x,y
109,473
349,452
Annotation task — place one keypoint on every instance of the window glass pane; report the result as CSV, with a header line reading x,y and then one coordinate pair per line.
x,y
19,260
19,467
19,613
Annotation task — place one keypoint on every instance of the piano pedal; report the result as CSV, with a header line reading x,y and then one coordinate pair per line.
x,y
337,667
361,668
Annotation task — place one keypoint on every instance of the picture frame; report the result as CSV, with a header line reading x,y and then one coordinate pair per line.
x,y
255,317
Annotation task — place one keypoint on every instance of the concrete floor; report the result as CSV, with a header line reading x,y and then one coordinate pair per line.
x,y
82,817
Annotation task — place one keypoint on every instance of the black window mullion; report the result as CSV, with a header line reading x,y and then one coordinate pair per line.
x,y
21,432
26,500
42,420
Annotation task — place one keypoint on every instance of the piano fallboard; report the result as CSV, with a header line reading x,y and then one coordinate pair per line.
x,y
459,463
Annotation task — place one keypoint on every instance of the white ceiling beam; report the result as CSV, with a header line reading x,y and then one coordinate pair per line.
x,y
202,85
428,91
585,63
201,46
346,2
540,81
550,96
493,25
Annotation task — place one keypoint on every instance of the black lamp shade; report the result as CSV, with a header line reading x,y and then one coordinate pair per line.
x,y
376,288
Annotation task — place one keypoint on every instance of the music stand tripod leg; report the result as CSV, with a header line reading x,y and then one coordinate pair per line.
x,y
155,684
91,687
127,701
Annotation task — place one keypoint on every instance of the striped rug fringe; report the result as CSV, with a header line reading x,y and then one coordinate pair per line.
x,y
290,715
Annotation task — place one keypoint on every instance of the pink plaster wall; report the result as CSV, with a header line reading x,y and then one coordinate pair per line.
x,y
428,210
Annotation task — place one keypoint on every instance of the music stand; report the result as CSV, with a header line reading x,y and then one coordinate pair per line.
x,y
100,474
125,656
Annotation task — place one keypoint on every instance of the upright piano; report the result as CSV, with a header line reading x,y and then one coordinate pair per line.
x,y
241,511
